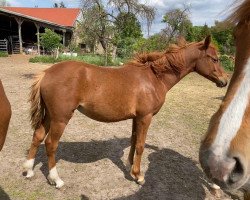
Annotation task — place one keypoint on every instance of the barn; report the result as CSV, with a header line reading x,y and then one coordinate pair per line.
x,y
20,27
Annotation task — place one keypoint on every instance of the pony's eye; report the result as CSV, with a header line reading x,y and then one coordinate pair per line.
x,y
215,60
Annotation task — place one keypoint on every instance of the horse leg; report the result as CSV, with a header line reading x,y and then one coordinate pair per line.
x,y
38,138
51,143
132,147
142,125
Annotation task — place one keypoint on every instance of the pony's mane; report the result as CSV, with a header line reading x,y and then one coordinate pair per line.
x,y
241,13
170,60
153,56
148,57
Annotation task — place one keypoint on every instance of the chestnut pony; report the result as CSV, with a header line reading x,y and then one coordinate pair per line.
x,y
5,112
135,91
225,150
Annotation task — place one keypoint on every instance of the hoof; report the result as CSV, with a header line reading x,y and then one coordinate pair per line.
x,y
28,166
140,180
214,186
58,183
216,191
30,174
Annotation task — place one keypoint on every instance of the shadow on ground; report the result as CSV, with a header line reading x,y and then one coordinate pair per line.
x,y
4,195
88,152
169,176
219,98
28,76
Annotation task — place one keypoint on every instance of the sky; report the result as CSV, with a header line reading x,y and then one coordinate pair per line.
x,y
201,12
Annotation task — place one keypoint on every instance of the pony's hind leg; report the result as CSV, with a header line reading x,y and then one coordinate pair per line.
x,y
38,138
51,143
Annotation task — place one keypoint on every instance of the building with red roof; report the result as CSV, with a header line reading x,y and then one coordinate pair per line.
x,y
22,26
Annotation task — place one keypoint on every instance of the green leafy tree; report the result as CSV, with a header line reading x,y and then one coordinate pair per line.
x,y
128,32
50,40
223,34
99,17
156,42
205,31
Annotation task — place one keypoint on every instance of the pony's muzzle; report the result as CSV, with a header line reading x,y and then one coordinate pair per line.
x,y
221,82
227,172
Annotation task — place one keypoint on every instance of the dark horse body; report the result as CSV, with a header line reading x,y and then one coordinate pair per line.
x,y
136,91
5,114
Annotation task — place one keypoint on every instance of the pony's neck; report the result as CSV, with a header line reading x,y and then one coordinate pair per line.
x,y
190,56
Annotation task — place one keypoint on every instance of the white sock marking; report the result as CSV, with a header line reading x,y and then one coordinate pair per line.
x,y
54,178
28,165
231,119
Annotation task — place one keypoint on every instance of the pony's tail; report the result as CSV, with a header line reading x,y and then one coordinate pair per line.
x,y
37,109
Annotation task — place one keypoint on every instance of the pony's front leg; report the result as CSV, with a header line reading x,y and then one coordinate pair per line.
x,y
132,147
51,143
142,125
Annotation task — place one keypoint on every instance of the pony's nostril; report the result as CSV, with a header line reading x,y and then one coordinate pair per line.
x,y
237,172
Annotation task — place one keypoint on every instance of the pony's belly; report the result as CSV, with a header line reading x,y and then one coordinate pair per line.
x,y
106,113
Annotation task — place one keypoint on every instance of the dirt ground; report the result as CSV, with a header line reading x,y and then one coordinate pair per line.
x,y
91,154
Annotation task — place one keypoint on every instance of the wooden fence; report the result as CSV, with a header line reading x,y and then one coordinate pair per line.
x,y
4,45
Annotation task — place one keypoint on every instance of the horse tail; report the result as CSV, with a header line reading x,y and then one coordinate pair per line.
x,y
37,110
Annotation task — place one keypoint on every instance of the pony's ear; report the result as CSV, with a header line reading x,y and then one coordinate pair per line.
x,y
207,42
181,41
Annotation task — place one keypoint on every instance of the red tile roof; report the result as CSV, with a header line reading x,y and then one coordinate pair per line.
x,y
60,16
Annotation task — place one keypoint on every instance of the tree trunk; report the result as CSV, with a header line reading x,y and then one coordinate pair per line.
x,y
103,43
114,53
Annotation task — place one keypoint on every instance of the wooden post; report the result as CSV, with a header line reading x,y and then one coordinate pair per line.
x,y
64,39
20,21
38,37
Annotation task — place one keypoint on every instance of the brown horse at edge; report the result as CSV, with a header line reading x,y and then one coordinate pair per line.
x,y
5,112
135,91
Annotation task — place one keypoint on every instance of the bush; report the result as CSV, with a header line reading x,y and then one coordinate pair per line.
x,y
50,40
227,63
90,58
3,54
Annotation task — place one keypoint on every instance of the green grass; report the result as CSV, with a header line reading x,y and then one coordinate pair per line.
x,y
90,58
3,54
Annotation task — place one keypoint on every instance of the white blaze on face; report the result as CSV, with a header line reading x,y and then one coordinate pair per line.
x,y
231,119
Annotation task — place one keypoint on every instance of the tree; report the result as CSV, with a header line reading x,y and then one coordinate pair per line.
x,y
205,31
50,40
128,31
99,17
177,23
223,34
156,42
